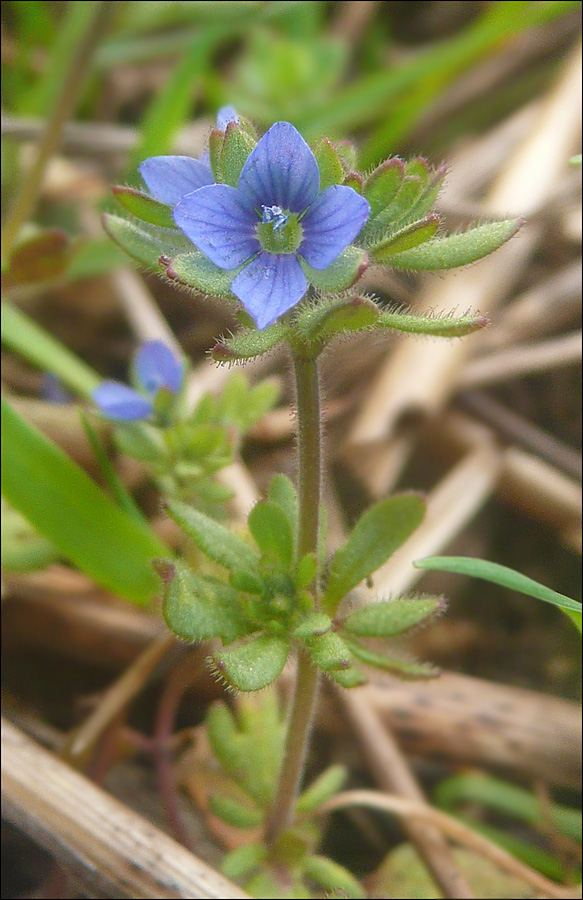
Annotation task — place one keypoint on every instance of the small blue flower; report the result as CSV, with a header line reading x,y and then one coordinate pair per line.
x,y
276,218
169,178
156,369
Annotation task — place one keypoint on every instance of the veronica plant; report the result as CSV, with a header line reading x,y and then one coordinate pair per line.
x,y
284,232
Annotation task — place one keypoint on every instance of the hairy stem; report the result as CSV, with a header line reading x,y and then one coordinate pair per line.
x,y
307,678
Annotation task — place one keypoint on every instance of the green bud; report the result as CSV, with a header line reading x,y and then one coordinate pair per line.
x,y
237,145
341,274
457,250
322,789
253,665
404,239
329,164
144,207
235,813
392,617
194,270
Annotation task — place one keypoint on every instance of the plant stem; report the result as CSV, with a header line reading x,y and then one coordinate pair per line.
x,y
307,678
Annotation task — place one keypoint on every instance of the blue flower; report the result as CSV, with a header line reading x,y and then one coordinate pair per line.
x,y
169,178
156,369
273,223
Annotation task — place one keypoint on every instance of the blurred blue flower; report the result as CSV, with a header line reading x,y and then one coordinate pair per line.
x,y
156,369
169,178
274,218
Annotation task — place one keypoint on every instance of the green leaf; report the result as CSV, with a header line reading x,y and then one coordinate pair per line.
x,y
333,877
404,668
272,532
37,346
328,651
262,398
141,441
329,164
322,789
197,609
116,486
213,539
224,737
194,270
456,250
348,678
324,322
346,269
392,617
145,247
253,665
378,533
434,326
144,207
235,813
405,239
282,491
243,860
306,571
381,186
249,344
237,146
65,506
497,574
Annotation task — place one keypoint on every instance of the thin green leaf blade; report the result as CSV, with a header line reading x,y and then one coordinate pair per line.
x,y
65,506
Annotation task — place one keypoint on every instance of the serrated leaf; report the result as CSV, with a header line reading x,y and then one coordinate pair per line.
x,y
404,668
235,813
144,207
329,164
195,270
323,788
237,145
456,250
378,533
253,665
333,877
392,616
346,269
197,609
381,187
213,539
272,532
249,344
145,247
440,326
328,321
405,239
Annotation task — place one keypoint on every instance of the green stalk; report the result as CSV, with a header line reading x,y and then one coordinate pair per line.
x,y
99,17
307,678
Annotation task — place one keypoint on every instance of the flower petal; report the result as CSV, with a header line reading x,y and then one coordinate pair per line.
x,y
269,286
156,367
225,115
281,171
121,403
331,224
171,177
221,223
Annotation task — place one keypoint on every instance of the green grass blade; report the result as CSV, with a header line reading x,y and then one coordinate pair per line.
x,y
69,509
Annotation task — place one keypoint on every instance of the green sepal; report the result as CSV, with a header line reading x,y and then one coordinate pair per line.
x,y
314,625
195,270
392,617
237,145
404,668
145,247
341,274
428,195
217,542
441,326
348,678
418,167
197,609
353,180
241,861
253,665
326,321
348,153
216,138
333,877
329,164
272,532
306,571
235,813
378,533
144,207
328,651
457,250
381,187
405,239
322,789
249,344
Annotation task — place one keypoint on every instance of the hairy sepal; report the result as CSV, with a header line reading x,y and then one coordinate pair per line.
x,y
455,250
144,207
